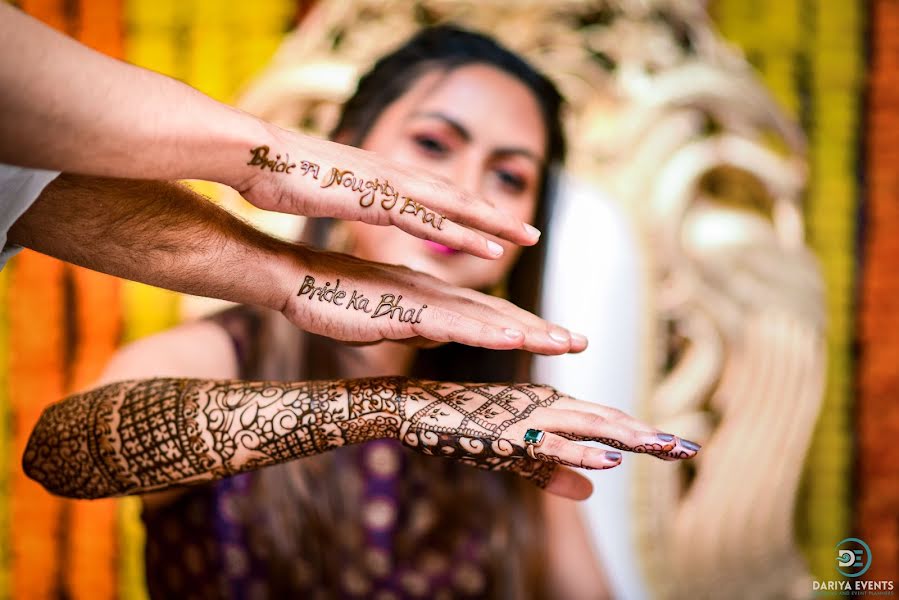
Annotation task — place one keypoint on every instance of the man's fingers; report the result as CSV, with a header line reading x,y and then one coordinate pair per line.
x,y
557,334
489,331
447,233
542,337
420,342
471,211
449,326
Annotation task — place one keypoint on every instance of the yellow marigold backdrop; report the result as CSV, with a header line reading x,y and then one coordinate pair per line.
x,y
58,324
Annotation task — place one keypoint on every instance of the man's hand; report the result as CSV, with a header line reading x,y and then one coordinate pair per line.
x,y
317,178
349,299
166,235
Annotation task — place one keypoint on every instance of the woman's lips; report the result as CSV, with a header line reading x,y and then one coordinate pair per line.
x,y
440,248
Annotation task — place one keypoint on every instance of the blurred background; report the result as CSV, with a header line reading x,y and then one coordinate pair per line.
x,y
790,112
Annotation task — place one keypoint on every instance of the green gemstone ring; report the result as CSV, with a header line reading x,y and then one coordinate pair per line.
x,y
533,437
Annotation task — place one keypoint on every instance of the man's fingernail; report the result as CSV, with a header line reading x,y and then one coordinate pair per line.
x,y
494,248
580,339
513,333
690,445
616,456
665,437
558,336
532,231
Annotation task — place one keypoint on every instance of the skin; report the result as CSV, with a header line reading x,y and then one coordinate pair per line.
x,y
197,376
149,231
109,108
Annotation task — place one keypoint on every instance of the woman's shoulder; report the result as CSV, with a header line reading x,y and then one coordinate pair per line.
x,y
201,349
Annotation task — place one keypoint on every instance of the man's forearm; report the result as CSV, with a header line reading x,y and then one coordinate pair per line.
x,y
162,234
135,437
68,108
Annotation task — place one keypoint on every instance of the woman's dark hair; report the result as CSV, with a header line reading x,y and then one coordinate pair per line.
x,y
502,506
444,47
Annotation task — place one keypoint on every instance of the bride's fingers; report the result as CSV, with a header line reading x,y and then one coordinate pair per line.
x,y
584,426
568,483
607,412
557,449
636,436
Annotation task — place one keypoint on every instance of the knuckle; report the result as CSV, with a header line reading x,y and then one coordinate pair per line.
x,y
554,445
471,239
462,197
594,421
451,319
582,455
617,414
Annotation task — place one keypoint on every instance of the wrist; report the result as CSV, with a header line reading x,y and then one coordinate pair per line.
x,y
262,155
284,271
375,409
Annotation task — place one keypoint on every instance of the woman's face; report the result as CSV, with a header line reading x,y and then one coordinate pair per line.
x,y
479,128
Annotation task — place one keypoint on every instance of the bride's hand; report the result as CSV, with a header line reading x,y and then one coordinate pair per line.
x,y
484,425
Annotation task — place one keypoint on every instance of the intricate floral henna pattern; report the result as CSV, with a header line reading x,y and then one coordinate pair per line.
x,y
139,436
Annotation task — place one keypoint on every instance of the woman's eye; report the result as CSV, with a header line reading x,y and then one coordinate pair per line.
x,y
511,181
431,145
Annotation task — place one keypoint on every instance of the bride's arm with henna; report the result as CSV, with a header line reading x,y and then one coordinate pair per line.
x,y
140,436
134,437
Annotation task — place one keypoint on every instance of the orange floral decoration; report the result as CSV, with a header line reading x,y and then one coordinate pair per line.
x,y
878,375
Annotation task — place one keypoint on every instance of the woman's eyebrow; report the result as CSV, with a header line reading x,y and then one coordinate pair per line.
x,y
519,152
466,135
454,124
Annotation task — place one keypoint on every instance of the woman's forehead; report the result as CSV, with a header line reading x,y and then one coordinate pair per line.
x,y
493,106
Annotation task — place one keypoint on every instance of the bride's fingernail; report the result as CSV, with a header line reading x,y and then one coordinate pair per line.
x,y
512,333
690,445
613,456
580,339
532,231
665,437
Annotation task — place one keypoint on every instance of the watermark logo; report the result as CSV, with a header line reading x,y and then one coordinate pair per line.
x,y
853,557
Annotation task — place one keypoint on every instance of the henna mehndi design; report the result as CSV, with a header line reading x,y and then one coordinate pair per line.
x,y
138,436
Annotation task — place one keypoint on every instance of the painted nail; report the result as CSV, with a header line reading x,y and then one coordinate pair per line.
x,y
494,248
532,231
665,437
613,456
559,336
690,445
513,333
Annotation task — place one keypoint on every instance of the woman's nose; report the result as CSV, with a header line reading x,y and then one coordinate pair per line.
x,y
468,175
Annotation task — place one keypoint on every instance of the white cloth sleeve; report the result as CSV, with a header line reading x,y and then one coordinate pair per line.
x,y
19,188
